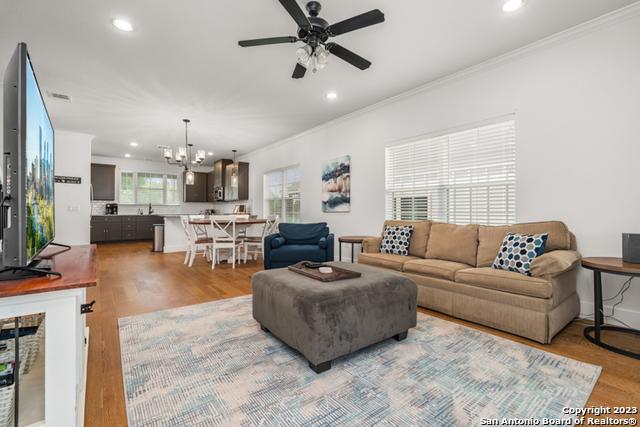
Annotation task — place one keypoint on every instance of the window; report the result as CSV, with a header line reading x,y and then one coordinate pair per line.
x,y
282,194
142,188
461,178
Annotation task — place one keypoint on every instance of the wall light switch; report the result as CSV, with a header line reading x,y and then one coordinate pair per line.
x,y
73,208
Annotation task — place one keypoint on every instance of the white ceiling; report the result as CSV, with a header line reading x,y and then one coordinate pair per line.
x,y
183,60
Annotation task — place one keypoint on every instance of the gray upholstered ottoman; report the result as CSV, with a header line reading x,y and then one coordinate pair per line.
x,y
324,321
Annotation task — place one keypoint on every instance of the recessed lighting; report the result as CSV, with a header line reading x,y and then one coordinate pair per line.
x,y
210,153
133,144
512,5
331,96
127,155
122,25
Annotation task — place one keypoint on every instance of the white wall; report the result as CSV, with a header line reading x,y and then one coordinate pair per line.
x,y
72,207
576,101
159,167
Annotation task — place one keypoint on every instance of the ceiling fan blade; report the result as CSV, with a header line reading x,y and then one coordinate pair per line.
x,y
347,55
299,72
364,20
296,13
270,40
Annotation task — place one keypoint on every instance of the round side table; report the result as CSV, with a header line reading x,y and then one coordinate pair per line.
x,y
611,266
352,240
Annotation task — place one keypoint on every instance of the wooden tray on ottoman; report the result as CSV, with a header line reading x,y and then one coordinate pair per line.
x,y
337,274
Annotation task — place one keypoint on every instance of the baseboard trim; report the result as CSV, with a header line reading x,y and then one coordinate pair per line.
x,y
174,248
630,317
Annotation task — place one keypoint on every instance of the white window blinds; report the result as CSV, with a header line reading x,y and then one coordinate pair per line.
x,y
282,194
461,178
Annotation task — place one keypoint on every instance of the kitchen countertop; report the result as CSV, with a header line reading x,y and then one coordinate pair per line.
x,y
167,215
153,214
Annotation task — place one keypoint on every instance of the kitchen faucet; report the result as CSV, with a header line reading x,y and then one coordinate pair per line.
x,y
150,209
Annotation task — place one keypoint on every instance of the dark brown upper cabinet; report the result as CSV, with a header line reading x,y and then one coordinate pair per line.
x,y
198,191
219,179
211,192
103,181
237,189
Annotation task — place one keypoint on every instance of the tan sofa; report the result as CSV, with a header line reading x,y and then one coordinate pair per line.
x,y
451,265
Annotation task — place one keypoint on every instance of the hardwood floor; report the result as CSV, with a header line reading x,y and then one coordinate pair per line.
x,y
132,280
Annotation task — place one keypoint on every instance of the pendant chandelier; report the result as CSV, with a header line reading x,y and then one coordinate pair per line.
x,y
234,172
183,155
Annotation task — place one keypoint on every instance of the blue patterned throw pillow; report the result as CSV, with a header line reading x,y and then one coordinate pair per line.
x,y
396,239
518,252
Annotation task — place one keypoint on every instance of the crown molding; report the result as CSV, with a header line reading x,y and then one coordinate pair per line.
x,y
574,32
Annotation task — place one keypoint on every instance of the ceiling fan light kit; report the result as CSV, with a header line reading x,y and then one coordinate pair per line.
x,y
315,33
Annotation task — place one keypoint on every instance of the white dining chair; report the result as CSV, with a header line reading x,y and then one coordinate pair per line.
x,y
223,233
257,242
242,232
196,242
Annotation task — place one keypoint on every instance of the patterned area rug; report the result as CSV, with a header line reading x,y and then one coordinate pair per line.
x,y
210,364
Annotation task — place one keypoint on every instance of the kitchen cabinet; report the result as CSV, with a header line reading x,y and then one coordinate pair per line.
x,y
144,229
198,191
238,188
219,179
113,232
116,228
103,181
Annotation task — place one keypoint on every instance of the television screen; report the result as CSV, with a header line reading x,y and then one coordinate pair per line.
x,y
39,172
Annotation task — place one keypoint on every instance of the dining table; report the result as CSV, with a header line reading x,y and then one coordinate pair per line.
x,y
240,222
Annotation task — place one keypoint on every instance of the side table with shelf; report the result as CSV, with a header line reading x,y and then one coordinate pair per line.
x,y
353,241
615,266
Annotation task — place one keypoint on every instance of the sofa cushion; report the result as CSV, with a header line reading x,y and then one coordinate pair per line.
x,y
555,263
296,253
490,238
450,242
518,252
303,234
419,237
396,239
390,261
505,281
434,267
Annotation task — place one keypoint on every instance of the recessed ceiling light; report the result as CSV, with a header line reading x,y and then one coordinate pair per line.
x,y
122,25
331,96
210,153
133,144
512,5
127,155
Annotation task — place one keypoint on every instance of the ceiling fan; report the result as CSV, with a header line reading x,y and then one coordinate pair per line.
x,y
315,33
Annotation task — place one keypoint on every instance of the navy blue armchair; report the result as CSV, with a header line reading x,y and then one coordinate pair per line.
x,y
298,242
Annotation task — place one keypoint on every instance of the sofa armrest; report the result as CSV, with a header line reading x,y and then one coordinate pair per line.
x,y
555,263
266,247
330,247
371,245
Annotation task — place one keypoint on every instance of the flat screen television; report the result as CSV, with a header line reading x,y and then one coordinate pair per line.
x,y
28,165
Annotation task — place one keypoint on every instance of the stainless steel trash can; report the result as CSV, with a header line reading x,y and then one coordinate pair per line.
x,y
158,238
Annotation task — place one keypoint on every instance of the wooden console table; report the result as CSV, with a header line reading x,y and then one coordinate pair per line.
x,y
611,266
60,299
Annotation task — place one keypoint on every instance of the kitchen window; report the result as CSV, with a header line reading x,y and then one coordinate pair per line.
x,y
142,188
462,177
282,193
